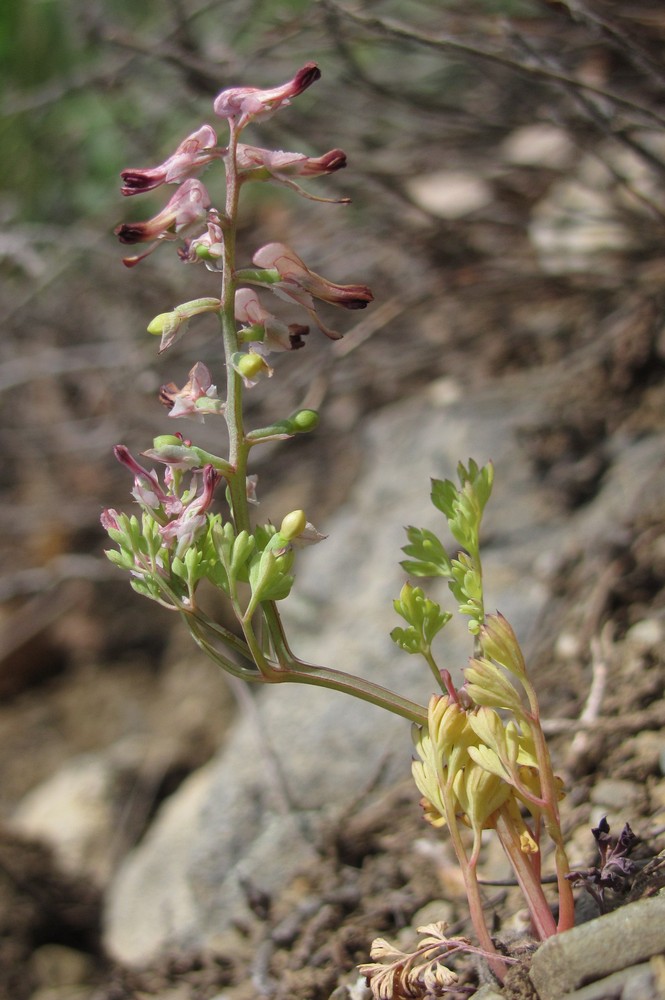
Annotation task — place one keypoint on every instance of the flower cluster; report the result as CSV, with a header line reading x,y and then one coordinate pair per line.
x,y
180,514
180,539
281,269
472,766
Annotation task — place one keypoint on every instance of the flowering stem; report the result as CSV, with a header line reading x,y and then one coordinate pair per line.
x,y
338,680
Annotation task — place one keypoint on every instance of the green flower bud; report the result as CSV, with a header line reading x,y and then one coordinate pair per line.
x,y
165,321
293,525
249,365
166,441
304,421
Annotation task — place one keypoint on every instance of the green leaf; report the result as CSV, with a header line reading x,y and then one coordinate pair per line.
x,y
407,639
463,506
424,617
443,496
428,556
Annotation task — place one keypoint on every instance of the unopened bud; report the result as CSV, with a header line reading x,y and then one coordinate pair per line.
x,y
304,421
251,367
165,321
166,441
293,525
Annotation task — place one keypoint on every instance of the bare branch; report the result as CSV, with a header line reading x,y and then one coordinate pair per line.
x,y
439,40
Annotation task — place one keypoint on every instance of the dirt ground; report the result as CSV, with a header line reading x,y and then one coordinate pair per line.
x,y
466,300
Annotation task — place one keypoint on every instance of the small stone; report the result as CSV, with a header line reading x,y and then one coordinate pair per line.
x,y
487,992
567,646
436,911
55,965
75,812
657,795
616,794
645,635
450,194
538,146
62,993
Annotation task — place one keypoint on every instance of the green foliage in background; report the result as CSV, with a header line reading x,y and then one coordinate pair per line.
x,y
63,108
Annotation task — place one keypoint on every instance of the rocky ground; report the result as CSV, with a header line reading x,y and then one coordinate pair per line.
x,y
515,249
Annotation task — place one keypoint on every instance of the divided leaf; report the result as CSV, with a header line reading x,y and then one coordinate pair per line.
x,y
423,616
428,556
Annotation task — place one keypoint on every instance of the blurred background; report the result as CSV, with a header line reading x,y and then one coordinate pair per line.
x,y
507,177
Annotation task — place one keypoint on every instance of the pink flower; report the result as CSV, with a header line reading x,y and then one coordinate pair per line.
x,y
208,247
247,103
277,162
148,491
267,164
110,519
192,521
193,153
196,398
295,274
187,207
300,284
182,519
277,336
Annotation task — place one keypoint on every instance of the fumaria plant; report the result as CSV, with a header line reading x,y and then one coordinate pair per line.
x,y
482,762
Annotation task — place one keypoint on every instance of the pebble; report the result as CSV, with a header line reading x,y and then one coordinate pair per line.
x,y
616,794
487,992
55,965
645,635
436,911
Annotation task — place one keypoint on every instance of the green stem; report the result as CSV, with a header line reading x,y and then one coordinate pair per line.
x,y
238,448
431,663
298,671
291,668
358,687
202,622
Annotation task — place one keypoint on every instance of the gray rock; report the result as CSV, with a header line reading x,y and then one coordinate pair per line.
x,y
616,794
636,983
74,811
487,992
599,948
